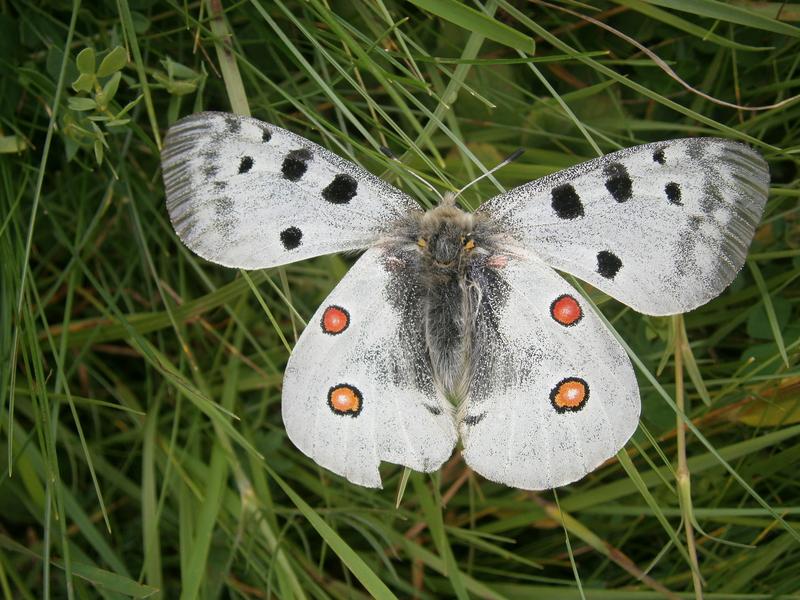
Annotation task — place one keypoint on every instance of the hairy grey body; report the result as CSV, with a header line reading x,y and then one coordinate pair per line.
x,y
452,254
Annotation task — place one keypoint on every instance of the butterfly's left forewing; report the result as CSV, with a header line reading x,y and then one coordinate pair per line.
x,y
553,393
358,388
248,194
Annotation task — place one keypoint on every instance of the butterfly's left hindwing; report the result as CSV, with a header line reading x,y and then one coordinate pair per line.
x,y
553,393
358,387
662,227
248,194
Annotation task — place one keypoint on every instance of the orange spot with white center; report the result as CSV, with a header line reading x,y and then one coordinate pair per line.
x,y
345,399
566,310
569,394
335,320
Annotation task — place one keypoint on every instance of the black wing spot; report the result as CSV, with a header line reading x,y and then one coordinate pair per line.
x,y
266,135
246,164
474,419
295,164
341,190
434,410
220,185
658,156
291,238
566,202
608,264
673,191
619,183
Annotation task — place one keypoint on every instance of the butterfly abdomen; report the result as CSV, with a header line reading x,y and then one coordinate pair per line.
x,y
447,333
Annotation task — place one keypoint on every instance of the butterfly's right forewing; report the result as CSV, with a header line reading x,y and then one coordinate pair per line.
x,y
662,227
358,388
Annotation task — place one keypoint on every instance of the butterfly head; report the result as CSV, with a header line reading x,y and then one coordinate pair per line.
x,y
445,236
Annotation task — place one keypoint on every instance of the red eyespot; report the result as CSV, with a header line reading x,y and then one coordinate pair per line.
x,y
569,394
566,310
345,399
335,320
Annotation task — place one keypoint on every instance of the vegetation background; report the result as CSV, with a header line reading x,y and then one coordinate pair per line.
x,y
143,452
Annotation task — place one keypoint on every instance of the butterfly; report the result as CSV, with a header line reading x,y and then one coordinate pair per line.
x,y
453,324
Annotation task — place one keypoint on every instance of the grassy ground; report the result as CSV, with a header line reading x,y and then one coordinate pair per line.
x,y
143,451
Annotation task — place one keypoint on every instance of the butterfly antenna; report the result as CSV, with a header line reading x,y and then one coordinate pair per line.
x,y
389,154
510,158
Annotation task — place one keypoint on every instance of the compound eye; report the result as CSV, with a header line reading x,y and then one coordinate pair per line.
x,y
422,243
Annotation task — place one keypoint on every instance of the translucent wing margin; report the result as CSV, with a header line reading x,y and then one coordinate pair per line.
x,y
553,393
247,194
358,387
662,227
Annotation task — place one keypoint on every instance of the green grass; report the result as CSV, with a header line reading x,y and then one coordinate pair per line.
x,y
143,451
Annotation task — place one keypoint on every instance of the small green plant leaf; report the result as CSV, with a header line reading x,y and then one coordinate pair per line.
x,y
176,87
98,151
105,97
111,86
114,61
71,148
11,144
86,61
140,22
182,88
84,82
81,104
129,106
176,69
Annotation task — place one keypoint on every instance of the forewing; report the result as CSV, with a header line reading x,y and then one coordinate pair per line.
x,y
247,194
662,227
553,393
358,388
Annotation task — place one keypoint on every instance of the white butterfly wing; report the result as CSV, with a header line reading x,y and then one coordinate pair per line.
x,y
662,227
358,387
247,194
553,393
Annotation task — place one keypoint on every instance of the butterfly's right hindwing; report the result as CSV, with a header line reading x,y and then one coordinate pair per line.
x,y
553,393
358,387
247,194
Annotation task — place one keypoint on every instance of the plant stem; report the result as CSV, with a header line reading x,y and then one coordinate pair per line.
x,y
682,474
